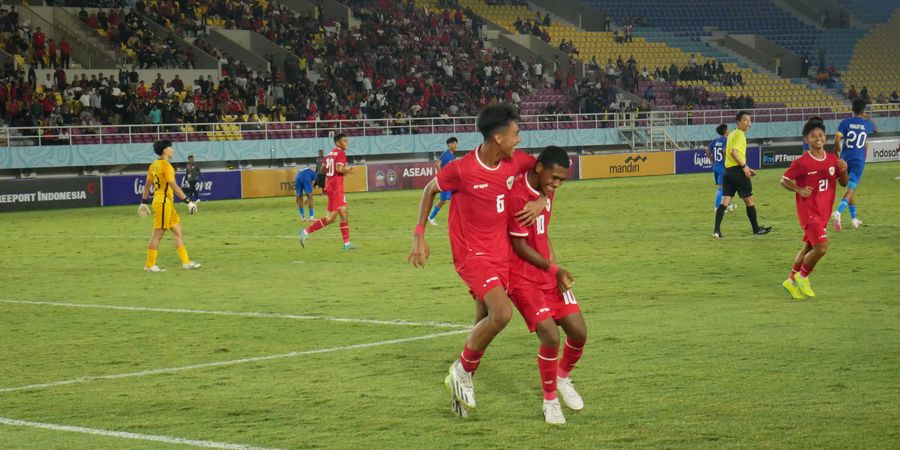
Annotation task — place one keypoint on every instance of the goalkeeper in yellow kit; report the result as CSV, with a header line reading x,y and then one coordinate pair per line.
x,y
162,175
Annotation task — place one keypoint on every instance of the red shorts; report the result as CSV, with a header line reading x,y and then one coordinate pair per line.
x,y
538,303
814,233
336,199
481,275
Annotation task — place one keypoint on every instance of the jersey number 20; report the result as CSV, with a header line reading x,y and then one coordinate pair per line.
x,y
855,140
329,167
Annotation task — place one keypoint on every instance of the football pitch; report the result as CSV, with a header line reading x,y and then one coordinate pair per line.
x,y
692,341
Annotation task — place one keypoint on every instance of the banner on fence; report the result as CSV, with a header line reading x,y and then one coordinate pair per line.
x,y
695,161
627,165
49,193
127,189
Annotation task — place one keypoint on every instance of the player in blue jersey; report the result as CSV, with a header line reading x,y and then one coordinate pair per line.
x,y
715,151
303,183
850,145
446,157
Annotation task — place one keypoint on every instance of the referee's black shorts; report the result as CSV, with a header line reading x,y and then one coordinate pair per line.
x,y
735,181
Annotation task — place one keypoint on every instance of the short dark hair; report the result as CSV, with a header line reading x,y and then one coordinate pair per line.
x,y
452,140
813,123
721,129
495,117
859,105
159,146
740,115
190,156
553,156
338,137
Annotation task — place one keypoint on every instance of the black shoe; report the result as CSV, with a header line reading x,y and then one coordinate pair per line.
x,y
762,230
718,235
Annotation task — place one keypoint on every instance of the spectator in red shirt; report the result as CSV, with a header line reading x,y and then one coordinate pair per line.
x,y
65,50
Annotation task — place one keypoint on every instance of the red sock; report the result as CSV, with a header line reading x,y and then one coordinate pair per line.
x,y
805,271
316,226
345,231
572,352
547,365
470,359
795,270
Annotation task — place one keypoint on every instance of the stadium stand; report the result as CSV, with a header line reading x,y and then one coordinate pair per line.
x,y
870,12
763,88
874,63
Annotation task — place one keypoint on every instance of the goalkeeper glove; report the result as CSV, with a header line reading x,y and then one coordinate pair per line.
x,y
143,209
192,207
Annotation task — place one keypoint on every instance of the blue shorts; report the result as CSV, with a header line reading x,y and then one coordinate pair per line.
x,y
855,170
718,174
445,196
304,185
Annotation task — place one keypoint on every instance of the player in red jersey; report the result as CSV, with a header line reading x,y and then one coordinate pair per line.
x,y
335,169
480,182
541,290
812,177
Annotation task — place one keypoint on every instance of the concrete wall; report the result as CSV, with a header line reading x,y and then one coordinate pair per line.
x,y
333,9
765,53
236,43
301,6
527,46
591,19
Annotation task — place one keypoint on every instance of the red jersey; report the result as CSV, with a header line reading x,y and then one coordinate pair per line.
x,y
536,236
821,176
477,222
333,178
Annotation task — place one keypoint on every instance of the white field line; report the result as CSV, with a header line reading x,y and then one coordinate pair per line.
x,y
127,435
240,314
87,379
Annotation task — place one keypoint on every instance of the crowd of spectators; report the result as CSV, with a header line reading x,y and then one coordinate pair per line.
x,y
403,62
537,27
31,44
143,47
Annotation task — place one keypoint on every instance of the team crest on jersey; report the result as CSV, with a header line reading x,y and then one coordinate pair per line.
x,y
548,205
509,182
831,170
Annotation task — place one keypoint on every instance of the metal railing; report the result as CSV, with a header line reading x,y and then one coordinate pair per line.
x,y
228,131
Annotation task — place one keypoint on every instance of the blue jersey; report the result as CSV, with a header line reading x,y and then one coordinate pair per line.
x,y
446,157
717,149
854,132
304,176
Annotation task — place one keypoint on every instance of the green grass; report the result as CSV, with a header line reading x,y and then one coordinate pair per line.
x,y
693,342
